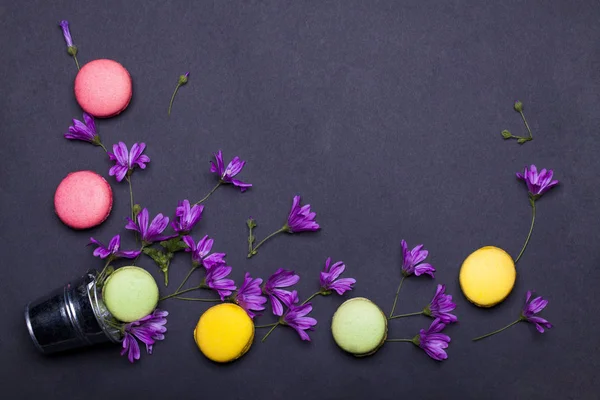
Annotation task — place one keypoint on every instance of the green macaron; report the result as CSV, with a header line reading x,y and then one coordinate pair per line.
x,y
359,327
130,293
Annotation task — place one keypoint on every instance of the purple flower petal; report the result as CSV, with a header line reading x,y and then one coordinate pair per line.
x,y
301,218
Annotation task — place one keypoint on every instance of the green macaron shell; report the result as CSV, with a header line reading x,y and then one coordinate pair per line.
x,y
359,327
130,293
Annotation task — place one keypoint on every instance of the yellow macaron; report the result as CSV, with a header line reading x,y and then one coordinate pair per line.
x,y
487,276
224,332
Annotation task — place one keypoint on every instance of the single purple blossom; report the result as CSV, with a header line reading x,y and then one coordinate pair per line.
x,y
440,306
432,341
85,131
152,233
216,280
112,249
186,216
200,252
413,261
301,218
282,278
250,297
296,318
531,308
64,25
329,279
148,330
126,161
226,175
537,184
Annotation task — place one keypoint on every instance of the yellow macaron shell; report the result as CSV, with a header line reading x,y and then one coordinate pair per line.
x,y
487,276
224,332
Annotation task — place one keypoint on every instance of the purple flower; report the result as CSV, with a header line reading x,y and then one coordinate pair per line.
x,y
440,306
226,174
112,249
64,25
84,131
301,218
152,233
296,318
413,261
328,278
432,341
531,308
282,278
126,161
200,252
188,216
216,280
149,329
537,184
250,297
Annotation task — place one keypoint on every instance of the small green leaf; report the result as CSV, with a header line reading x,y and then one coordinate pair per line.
x,y
173,245
521,140
506,134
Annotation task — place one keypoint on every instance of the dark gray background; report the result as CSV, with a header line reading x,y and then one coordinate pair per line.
x,y
384,115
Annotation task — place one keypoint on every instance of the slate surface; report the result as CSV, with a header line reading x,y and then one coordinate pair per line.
x,y
384,115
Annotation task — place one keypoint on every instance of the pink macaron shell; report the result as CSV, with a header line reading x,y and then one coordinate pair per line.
x,y
103,88
83,200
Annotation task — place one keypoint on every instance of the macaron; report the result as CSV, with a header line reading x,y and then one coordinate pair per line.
x,y
83,200
487,276
103,88
359,327
130,293
224,333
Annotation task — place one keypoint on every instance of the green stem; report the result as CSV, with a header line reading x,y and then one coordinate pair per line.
x,y
186,277
396,298
532,201
100,276
312,296
405,315
76,62
526,125
250,239
271,330
253,252
195,299
498,331
177,293
209,193
130,197
173,97
399,340
101,145
266,326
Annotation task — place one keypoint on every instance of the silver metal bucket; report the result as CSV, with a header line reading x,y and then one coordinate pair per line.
x,y
71,317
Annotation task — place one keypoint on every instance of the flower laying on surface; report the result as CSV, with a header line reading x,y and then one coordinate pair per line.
x,y
301,218
329,278
412,261
537,183
201,252
282,278
148,330
226,175
112,249
126,161
216,279
433,341
441,305
249,296
152,232
186,216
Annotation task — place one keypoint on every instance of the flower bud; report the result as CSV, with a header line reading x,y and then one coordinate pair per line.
x,y
518,106
506,134
72,50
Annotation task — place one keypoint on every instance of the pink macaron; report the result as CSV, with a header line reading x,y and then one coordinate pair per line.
x,y
83,200
103,88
